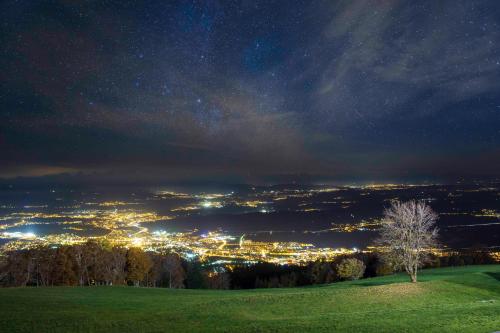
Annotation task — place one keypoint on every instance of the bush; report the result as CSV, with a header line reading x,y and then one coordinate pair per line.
x,y
350,269
384,268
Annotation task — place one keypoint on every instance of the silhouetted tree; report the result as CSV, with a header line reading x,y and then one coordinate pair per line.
x,y
218,280
194,275
321,272
118,262
44,260
63,268
18,268
176,274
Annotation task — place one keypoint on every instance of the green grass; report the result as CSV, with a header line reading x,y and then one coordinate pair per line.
x,y
462,299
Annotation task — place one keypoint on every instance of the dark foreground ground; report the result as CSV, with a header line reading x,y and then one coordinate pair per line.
x,y
462,299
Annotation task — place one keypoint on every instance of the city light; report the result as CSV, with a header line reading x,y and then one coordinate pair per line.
x,y
19,235
128,224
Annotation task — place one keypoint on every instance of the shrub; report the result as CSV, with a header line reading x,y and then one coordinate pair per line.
x,y
384,268
350,269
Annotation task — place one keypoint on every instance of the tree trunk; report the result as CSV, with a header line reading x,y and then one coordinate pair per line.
x,y
413,277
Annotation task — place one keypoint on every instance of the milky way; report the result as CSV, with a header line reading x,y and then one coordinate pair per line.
x,y
250,90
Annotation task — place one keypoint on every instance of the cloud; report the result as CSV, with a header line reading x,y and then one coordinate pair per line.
x,y
337,88
369,48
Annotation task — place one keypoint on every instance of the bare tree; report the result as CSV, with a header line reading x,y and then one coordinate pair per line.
x,y
176,274
118,264
408,230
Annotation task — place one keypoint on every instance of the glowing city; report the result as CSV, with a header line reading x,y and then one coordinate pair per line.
x,y
135,222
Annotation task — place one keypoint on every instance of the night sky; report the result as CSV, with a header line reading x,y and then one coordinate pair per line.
x,y
250,90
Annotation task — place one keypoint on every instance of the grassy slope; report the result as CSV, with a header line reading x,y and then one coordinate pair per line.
x,y
465,299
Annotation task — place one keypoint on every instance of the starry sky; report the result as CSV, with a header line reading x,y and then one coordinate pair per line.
x,y
250,90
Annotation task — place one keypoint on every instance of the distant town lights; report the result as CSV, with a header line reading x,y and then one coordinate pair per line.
x,y
137,241
211,204
20,235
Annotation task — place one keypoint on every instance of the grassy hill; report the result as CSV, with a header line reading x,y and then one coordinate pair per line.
x,y
462,299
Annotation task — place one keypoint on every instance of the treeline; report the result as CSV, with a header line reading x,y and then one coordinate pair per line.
x,y
92,264
266,275
95,263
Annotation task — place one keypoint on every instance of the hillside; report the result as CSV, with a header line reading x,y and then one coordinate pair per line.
x,y
462,299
